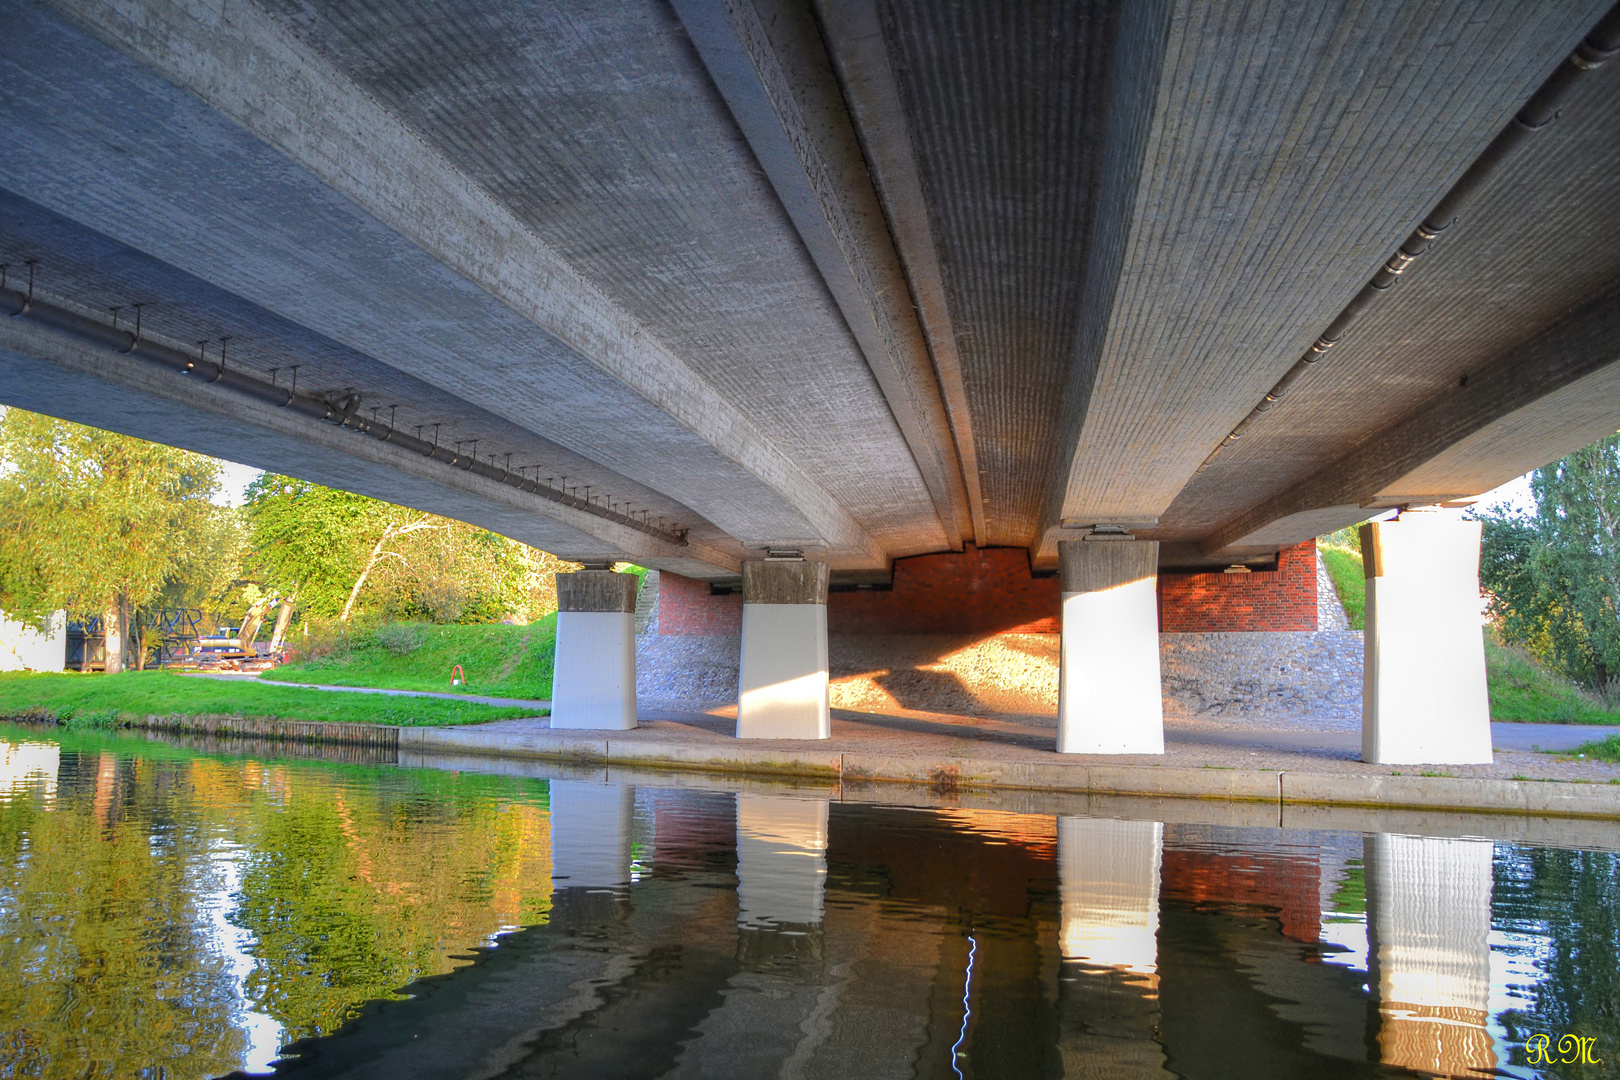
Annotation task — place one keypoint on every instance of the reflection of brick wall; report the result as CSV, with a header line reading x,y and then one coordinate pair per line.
x,y
1281,599
1288,886
687,608
976,591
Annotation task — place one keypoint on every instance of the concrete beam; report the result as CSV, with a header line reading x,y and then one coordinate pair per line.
x,y
45,372
1533,403
251,69
1264,207
769,62
1130,90
855,42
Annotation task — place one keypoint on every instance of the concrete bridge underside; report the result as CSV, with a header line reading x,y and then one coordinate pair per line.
x,y
681,281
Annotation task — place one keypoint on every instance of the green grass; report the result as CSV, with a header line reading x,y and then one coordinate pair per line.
x,y
1524,692
1344,567
1601,749
498,660
106,700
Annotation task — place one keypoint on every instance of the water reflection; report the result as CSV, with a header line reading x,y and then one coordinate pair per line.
x,y
1428,927
169,910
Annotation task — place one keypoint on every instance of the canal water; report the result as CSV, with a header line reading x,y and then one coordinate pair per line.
x,y
166,912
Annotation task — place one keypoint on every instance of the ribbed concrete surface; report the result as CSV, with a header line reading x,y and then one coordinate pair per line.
x,y
572,235
1338,127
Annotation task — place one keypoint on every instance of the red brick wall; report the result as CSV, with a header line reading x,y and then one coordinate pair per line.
x,y
1281,599
686,607
976,591
991,591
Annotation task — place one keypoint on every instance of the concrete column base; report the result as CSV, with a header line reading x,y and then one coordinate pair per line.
x,y
593,685
782,678
1109,697
1424,698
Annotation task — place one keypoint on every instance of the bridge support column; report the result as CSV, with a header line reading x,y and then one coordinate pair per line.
x,y
594,681
782,682
1424,699
1109,698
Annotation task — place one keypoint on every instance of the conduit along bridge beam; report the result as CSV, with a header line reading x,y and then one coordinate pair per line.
x,y
340,409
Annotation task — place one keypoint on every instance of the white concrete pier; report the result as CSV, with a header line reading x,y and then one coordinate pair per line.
x,y
594,676
1424,698
1109,699
782,679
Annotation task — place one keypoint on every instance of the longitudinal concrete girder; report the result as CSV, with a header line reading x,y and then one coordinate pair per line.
x,y
1544,398
431,269
1263,207
47,373
768,60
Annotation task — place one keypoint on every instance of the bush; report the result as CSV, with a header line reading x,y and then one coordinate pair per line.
x,y
399,639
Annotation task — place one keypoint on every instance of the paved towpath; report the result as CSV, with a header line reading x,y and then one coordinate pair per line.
x,y
690,732
250,676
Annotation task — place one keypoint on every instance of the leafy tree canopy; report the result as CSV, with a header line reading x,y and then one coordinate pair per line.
x,y
88,517
1554,577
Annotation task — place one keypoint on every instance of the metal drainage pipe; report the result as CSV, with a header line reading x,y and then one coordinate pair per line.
x,y
342,410
1541,110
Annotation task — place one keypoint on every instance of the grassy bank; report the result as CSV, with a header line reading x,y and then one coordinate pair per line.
x,y
1344,567
101,700
1601,749
498,660
1524,692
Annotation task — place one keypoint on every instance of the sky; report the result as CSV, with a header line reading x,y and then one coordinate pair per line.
x,y
233,482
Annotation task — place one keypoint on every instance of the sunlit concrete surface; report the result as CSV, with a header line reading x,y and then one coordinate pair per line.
x,y
1424,693
1109,700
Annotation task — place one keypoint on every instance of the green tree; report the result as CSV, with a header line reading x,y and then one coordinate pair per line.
x,y
1554,577
100,524
338,555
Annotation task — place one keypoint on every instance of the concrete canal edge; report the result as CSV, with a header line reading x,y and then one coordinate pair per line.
x,y
948,775
942,776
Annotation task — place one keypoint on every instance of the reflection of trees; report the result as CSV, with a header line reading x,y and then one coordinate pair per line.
x,y
1572,899
353,892
353,882
105,967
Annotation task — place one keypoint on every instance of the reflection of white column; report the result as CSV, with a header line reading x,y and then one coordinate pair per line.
x,y
781,860
1108,874
593,682
1429,920
1424,698
590,833
26,765
782,678
1109,698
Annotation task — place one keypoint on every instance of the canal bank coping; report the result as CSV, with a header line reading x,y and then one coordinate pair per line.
x,y
948,774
